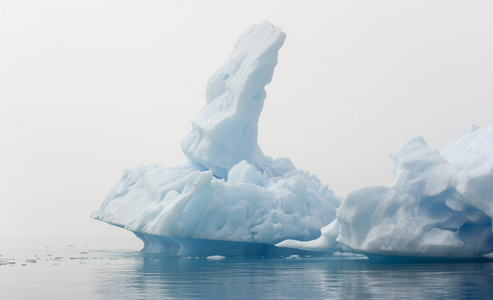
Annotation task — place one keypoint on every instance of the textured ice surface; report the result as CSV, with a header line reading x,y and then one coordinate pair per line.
x,y
439,205
229,199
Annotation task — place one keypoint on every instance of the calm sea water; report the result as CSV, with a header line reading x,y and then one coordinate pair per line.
x,y
61,269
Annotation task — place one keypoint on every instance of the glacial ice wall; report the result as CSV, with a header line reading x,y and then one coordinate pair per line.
x,y
229,198
440,204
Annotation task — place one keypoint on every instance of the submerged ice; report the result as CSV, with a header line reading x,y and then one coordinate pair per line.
x,y
231,199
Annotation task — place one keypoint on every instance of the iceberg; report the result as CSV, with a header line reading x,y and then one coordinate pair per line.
x,y
440,205
229,198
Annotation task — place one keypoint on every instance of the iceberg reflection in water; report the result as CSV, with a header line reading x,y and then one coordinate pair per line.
x,y
87,270
303,278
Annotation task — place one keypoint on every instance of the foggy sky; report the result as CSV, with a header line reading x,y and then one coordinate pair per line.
x,y
89,88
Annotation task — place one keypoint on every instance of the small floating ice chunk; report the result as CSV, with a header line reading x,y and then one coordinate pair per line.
x,y
215,257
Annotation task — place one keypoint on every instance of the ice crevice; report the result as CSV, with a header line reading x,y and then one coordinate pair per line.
x,y
231,199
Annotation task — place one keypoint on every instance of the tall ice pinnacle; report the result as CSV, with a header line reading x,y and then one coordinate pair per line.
x,y
225,130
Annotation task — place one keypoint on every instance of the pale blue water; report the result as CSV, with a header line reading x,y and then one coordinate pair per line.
x,y
116,270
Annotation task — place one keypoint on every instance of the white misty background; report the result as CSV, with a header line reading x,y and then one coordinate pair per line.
x,y
90,88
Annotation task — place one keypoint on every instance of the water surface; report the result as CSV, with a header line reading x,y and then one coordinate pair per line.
x,y
95,269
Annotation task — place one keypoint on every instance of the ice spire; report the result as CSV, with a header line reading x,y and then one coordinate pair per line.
x,y
225,130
